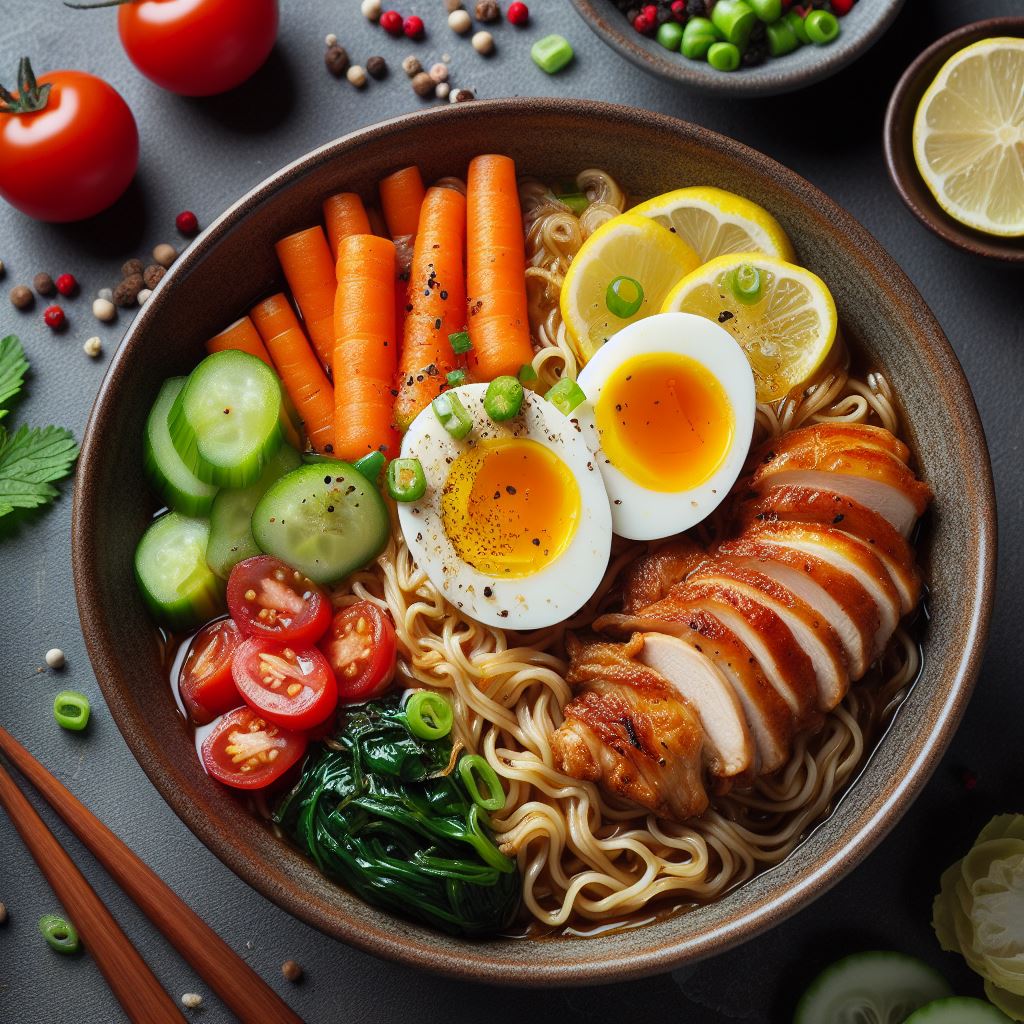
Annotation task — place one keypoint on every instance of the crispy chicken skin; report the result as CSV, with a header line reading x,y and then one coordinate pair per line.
x,y
650,578
627,730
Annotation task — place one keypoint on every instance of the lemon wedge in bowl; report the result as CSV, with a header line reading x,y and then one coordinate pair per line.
x,y
969,136
621,274
716,222
782,316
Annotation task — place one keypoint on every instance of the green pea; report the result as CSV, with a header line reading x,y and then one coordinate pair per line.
x,y
698,37
71,710
796,23
724,56
782,38
767,10
735,20
60,934
670,35
551,53
822,27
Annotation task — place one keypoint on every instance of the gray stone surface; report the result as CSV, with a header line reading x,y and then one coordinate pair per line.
x,y
201,155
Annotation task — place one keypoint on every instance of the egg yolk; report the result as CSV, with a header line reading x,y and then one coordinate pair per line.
x,y
664,421
510,506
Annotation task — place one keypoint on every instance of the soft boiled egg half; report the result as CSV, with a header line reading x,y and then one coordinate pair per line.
x,y
515,525
669,417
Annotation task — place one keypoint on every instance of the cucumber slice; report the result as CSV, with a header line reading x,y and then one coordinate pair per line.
x,y
877,986
171,570
231,537
960,1010
226,422
177,484
325,520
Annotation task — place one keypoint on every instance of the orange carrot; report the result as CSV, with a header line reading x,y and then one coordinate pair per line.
x,y
244,337
495,270
309,267
344,215
401,195
376,219
437,295
366,350
297,365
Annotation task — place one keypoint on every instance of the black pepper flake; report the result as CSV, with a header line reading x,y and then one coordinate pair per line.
x,y
327,479
328,448
437,324
488,592
510,489
408,308
444,295
838,519
503,613
330,508
536,542
394,392
725,316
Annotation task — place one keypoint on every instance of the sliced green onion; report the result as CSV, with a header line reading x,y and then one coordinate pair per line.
x,y
456,378
576,201
527,373
474,770
452,414
460,342
60,934
503,398
566,395
746,284
370,465
406,480
624,297
428,715
71,709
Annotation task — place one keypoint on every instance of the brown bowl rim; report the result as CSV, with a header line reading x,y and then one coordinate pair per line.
x,y
898,145
560,962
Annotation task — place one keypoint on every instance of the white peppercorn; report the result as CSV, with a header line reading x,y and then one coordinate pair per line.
x,y
192,1000
460,22
104,309
93,347
106,293
442,90
371,9
483,42
439,72
356,76
411,65
164,254
330,40
423,85
55,658
143,297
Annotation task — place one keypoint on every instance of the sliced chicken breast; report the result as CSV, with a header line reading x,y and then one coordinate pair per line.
x,y
834,435
649,579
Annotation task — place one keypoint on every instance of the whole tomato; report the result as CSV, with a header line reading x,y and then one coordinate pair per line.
x,y
198,47
69,146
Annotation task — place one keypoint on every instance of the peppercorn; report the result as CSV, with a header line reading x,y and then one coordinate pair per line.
x,y
187,222
678,10
423,85
143,297
439,72
460,22
54,318
126,293
66,284
411,65
371,9
442,91
152,275
356,75
43,284
164,254
462,96
487,11
376,67
3,914
192,1000
22,297
3,269
452,5
93,347
336,60
104,309
391,22
483,43
413,27
697,9
131,267
518,14
291,970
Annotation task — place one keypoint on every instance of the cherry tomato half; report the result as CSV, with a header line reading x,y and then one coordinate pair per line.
x,y
198,47
72,153
291,687
360,645
246,751
271,600
206,685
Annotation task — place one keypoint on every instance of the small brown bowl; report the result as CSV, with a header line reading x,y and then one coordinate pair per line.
x,y
899,144
232,264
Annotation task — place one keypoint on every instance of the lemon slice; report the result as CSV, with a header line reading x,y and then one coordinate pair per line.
x,y
969,136
628,247
716,222
782,315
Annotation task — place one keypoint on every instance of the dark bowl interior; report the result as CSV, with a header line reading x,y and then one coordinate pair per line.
x,y
861,28
899,144
232,264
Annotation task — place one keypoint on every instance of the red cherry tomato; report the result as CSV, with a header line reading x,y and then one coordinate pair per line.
x,y
69,153
360,645
198,47
291,687
269,599
205,683
246,751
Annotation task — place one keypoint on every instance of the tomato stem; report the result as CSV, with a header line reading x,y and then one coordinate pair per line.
x,y
31,96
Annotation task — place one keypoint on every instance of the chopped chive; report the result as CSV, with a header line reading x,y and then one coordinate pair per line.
x,y
370,465
527,373
460,342
406,480
566,395
428,715
503,398
456,378
452,414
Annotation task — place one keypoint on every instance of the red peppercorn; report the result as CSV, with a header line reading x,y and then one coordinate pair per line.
x,y
391,22
66,284
678,10
413,27
517,13
187,222
841,7
54,317
644,25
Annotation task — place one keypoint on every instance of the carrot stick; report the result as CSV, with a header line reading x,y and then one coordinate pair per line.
x,y
437,295
366,351
376,219
244,337
495,270
401,195
309,267
300,371
344,215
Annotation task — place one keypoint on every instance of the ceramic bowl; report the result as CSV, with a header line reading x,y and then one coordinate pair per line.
x,y
232,264
899,144
861,28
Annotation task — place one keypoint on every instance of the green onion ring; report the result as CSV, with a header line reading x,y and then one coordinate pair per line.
x,y
624,297
428,715
473,765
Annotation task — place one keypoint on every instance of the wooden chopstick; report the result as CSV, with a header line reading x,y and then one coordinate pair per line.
x,y
136,988
238,985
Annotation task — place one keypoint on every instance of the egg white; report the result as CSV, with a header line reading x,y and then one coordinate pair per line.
x,y
560,588
638,512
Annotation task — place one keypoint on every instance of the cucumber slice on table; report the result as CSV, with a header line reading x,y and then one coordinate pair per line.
x,y
959,1010
231,538
171,570
877,986
324,519
226,422
177,484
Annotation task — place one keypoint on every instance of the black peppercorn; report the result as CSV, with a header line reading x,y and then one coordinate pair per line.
x,y
376,67
336,59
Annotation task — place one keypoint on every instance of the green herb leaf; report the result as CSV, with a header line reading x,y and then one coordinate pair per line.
x,y
30,461
13,367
